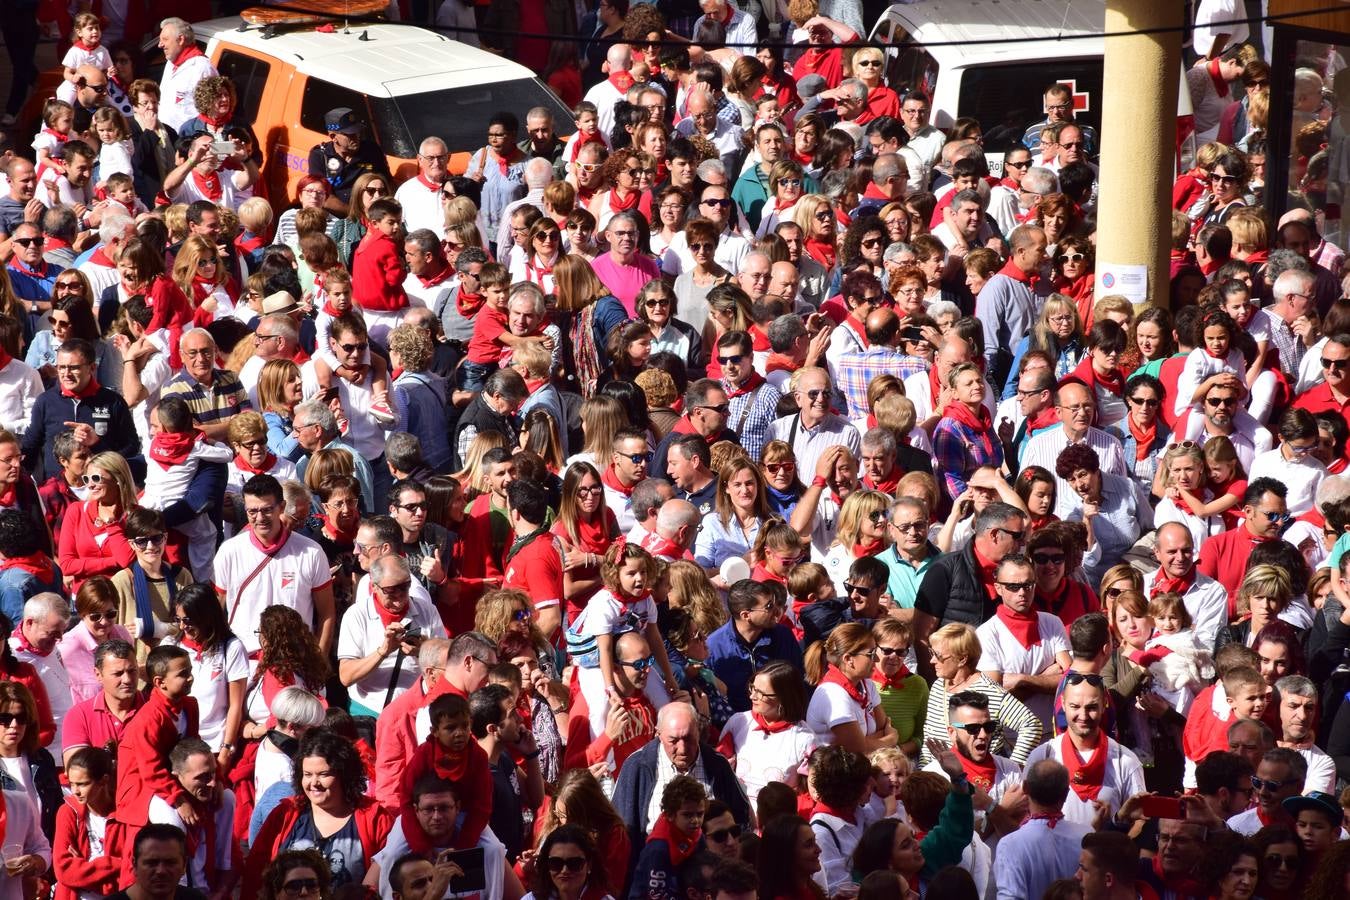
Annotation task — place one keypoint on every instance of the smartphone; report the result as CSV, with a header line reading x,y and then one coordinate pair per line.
x,y
471,862
223,148
1161,808
329,395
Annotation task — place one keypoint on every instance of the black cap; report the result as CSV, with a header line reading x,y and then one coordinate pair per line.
x,y
344,120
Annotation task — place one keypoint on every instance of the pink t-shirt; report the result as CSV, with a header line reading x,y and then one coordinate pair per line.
x,y
625,281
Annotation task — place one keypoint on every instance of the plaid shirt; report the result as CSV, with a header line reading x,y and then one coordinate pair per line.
x,y
1289,345
958,452
751,414
857,368
224,398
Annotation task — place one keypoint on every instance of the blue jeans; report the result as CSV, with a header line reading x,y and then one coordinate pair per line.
x,y
472,375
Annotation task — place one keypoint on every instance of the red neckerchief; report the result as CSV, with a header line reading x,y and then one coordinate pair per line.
x,y
194,645
212,122
822,252
185,54
1143,437
780,362
87,48
1039,522
336,533
169,448
681,845
872,192
450,766
24,645
90,390
205,825
209,186
9,496
1165,584
984,568
761,573
537,274
684,426
584,139
1114,382
935,388
982,423
854,324
1025,627
1010,269
894,682
387,618
868,548
621,80
750,384
886,485
60,138
1255,258
1085,777
444,274
55,243
657,545
244,465
272,548
1182,885
1220,85
1050,819
981,775
1043,419
1212,355
1010,185
18,266
434,186
100,258
1148,657
467,309
594,536
5,358
806,159
848,815
759,339
618,205
248,245
1077,290
506,162
855,691
34,563
611,480
761,724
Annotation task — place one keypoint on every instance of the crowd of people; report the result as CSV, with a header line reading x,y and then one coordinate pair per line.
x,y
739,491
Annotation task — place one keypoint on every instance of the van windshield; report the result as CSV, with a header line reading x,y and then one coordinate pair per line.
x,y
460,115
1006,99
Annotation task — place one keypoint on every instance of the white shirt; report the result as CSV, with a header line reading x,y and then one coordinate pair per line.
x,y
20,385
1198,367
604,95
23,826
1167,511
290,579
1208,11
1003,653
269,767
222,821
52,670
726,137
362,631
1206,602
176,104
165,486
1321,771
1301,476
1249,436
831,705
1123,779
494,863
100,277
423,207
732,248
762,757
808,444
212,674
154,376
1045,446
1246,823
365,434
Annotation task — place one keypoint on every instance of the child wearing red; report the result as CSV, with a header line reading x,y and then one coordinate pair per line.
x,y
452,753
377,269
86,817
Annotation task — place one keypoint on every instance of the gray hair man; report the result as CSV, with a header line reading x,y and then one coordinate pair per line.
x,y
1298,698
316,428
184,67
45,617
1293,326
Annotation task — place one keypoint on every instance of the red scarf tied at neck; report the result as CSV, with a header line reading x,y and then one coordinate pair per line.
x,y
867,548
981,422
1114,381
1165,584
467,304
980,774
611,480
768,727
855,691
244,465
25,646
682,845
88,391
1025,626
894,682
1220,84
170,448
1085,777
35,563
1143,437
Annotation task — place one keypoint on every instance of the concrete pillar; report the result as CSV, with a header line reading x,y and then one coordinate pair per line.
x,y
1139,101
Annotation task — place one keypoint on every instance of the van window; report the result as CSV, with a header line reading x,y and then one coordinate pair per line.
x,y
908,67
1007,100
403,121
249,74
321,96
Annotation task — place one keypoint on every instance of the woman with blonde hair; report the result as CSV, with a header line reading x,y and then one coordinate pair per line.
x,y
92,542
1265,593
779,466
460,210
862,532
507,611
1059,332
899,226
471,476
253,456
586,312
586,527
845,708
1183,468
868,66
201,275
279,391
689,589
740,511
787,181
602,417
820,227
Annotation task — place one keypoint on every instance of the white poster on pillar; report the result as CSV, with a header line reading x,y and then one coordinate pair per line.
x,y
1130,282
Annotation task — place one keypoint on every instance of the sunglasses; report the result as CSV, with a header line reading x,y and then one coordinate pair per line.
x,y
145,543
775,468
1335,363
92,478
352,348
412,507
1048,559
701,245
1216,402
1018,587
656,302
815,394
872,243
1275,861
974,728
1015,535
877,516
1224,179
30,242
1072,257
301,886
734,360
8,719
1080,677
557,864
638,459
850,588
1025,164
718,203
58,323
639,665
723,409
1144,401
892,651
720,835
1272,786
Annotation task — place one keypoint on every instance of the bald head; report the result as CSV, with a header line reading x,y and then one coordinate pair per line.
x,y
882,326
699,102
783,281
619,58
676,514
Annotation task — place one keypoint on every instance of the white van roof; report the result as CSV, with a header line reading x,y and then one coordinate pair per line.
x,y
394,60
1032,24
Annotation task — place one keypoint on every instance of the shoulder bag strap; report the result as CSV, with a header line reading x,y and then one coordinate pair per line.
x,y
249,580
393,679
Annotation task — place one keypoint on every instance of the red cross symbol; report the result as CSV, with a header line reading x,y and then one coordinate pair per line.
x,y
1081,99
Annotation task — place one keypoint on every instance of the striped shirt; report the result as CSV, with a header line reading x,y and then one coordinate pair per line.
x,y
751,414
224,398
1044,448
1020,727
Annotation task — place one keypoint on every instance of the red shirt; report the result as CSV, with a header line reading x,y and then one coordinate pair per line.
x,y
1168,373
395,742
1318,399
475,788
81,555
90,724
537,570
881,101
1223,557
1204,732
826,62
143,757
76,873
377,274
484,346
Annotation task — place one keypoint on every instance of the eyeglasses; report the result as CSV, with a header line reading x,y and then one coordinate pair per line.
x,y
96,88
850,588
721,409
720,835
975,728
109,616
701,246
203,353
1072,145
1024,164
301,886
1335,363
733,360
591,489
1080,408
757,694
919,526
259,512
1113,593
1276,861
1223,179
639,665
58,323
8,719
639,173
638,459
789,182
395,590
867,62
374,189
548,236
1144,401
92,478
872,243
557,864
1080,677
148,541
261,339
1048,559
412,507
1015,535
1072,257
497,134
207,262
815,394
353,348
1017,587
72,285
30,241
1272,786
256,444
656,302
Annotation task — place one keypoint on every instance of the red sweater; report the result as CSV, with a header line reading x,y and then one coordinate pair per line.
x,y
477,565
377,274
396,741
75,871
1204,732
475,787
373,824
1223,557
26,675
143,757
81,556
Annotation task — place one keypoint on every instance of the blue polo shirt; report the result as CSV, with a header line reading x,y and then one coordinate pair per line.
x,y
735,662
904,580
